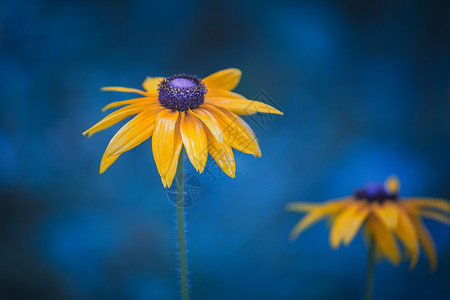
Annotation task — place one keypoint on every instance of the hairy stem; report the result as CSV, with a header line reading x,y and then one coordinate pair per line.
x,y
368,292
181,229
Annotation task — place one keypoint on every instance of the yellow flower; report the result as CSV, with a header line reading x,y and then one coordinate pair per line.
x,y
384,216
182,110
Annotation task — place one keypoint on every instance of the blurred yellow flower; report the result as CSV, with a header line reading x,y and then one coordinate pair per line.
x,y
384,217
183,110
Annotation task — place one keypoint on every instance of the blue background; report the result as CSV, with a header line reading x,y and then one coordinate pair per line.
x,y
365,91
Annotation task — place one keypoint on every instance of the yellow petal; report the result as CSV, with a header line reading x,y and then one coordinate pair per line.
x,y
243,106
347,223
317,213
106,162
210,122
383,238
163,141
223,94
434,215
235,131
302,206
222,154
332,205
116,117
123,90
310,219
226,79
178,144
141,100
406,233
427,242
355,225
194,140
133,133
387,213
151,84
433,203
392,184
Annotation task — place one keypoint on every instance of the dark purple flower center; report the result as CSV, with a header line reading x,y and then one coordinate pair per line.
x,y
181,92
375,192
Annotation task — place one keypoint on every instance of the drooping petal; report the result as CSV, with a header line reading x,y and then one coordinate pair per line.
x,y
210,123
303,206
150,84
123,90
426,241
222,154
355,225
163,141
387,212
383,238
116,117
329,209
434,215
307,221
141,100
308,206
347,223
178,144
194,140
226,79
133,133
106,162
433,203
406,233
243,106
235,131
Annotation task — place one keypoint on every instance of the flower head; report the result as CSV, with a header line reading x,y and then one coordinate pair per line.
x,y
384,217
184,110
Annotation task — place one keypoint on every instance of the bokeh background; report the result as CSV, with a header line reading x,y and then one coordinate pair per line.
x,y
365,88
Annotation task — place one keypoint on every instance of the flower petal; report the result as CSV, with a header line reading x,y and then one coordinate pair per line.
x,y
194,140
226,79
178,144
107,161
223,94
222,154
163,141
308,206
243,106
384,239
123,90
210,122
235,131
150,84
133,133
141,100
307,221
387,213
434,215
303,206
116,117
347,223
406,233
433,203
427,242
329,209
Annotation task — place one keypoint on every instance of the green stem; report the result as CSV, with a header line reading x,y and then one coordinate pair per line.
x,y
368,293
181,229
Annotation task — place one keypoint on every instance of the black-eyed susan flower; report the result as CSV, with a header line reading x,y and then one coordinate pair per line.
x,y
183,110
384,217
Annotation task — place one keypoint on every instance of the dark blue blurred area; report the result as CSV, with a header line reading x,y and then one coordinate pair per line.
x,y
365,87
